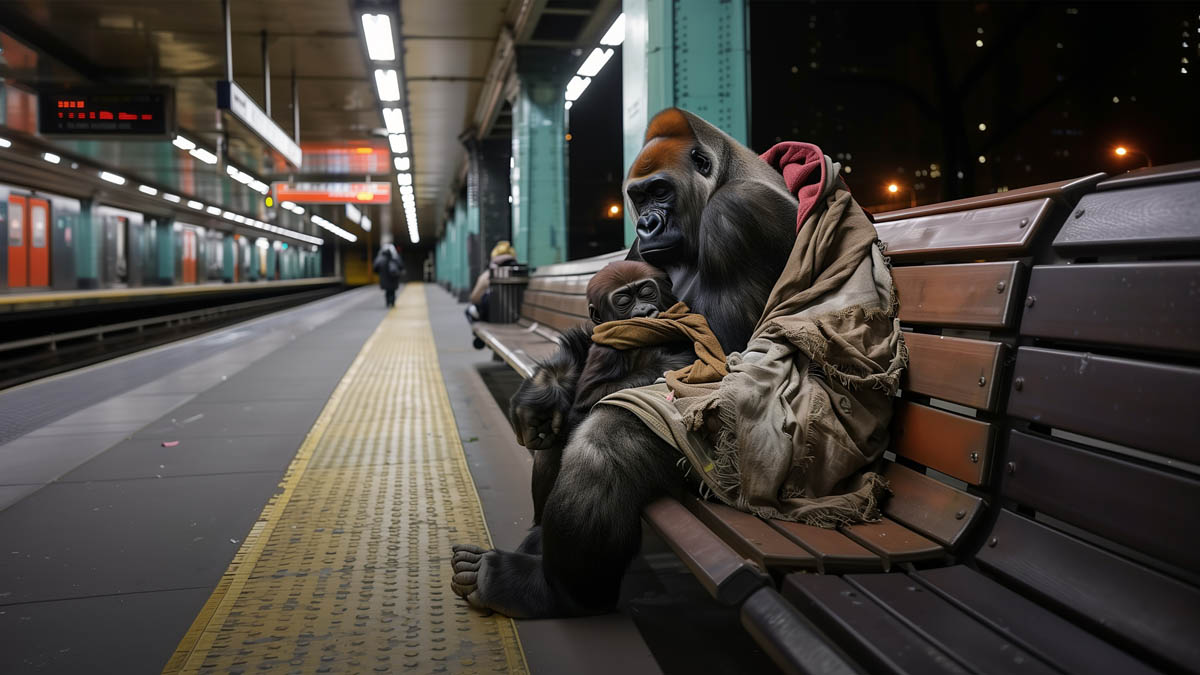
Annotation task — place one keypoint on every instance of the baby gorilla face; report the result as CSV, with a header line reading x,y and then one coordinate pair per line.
x,y
628,289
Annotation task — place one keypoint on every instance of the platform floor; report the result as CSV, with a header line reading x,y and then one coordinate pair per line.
x,y
281,495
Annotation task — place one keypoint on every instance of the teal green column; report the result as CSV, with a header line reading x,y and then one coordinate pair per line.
x,y
228,257
460,245
691,54
539,173
165,243
271,261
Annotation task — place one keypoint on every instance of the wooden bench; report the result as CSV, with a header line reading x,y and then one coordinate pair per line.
x,y
964,271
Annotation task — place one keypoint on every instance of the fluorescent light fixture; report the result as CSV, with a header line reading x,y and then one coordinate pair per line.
x,y
404,179
112,178
406,189
259,186
171,198
229,215
51,157
321,222
576,86
353,214
595,61
5,143
365,224
377,28
399,143
183,143
214,210
287,204
203,155
615,34
387,82
568,105
195,204
403,163
147,190
394,119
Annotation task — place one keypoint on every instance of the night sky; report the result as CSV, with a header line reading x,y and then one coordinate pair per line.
x,y
918,94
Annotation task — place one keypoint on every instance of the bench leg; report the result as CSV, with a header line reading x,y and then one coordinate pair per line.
x,y
591,529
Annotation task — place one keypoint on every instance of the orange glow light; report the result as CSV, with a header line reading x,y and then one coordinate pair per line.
x,y
614,210
364,151
1121,151
364,196
893,188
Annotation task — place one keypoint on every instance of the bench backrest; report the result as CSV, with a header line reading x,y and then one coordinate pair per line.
x,y
1100,474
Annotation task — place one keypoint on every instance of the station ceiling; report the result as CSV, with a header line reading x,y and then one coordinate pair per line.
x,y
451,54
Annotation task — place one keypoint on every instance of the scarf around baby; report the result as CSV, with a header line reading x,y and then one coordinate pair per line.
x,y
796,427
675,324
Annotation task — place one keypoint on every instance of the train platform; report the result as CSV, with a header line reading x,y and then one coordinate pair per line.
x,y
281,495
17,301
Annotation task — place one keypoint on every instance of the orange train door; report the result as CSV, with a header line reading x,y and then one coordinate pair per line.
x,y
189,256
18,239
39,242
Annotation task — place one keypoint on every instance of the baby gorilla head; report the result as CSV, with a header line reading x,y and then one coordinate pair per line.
x,y
627,289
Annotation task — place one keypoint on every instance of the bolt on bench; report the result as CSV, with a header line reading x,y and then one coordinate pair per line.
x,y
1044,325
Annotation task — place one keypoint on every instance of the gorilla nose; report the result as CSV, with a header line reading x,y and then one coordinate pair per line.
x,y
649,224
644,310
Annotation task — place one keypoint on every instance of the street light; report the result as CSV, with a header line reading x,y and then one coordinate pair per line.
x,y
894,188
1123,151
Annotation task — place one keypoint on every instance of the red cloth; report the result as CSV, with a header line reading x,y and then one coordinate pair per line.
x,y
803,169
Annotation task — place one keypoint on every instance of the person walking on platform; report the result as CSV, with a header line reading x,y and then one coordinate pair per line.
x,y
390,268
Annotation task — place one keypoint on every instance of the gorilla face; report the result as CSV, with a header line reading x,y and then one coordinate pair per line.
x,y
668,185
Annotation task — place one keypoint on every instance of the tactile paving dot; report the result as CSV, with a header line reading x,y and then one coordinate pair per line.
x,y
348,569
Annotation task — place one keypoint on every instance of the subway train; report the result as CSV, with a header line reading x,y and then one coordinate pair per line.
x,y
57,242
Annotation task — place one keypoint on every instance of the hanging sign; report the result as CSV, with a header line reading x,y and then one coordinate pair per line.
x,y
231,97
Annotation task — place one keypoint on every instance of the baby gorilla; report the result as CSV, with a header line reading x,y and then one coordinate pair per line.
x,y
626,289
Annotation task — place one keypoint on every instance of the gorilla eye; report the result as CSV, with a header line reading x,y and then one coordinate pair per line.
x,y
701,161
647,291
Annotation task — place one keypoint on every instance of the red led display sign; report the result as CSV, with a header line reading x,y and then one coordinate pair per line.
x,y
105,111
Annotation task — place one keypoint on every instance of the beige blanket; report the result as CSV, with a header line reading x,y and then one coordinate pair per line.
x,y
802,416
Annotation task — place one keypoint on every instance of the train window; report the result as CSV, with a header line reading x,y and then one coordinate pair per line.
x,y
37,218
16,224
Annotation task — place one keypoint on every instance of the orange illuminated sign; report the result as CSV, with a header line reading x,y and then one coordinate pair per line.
x,y
334,193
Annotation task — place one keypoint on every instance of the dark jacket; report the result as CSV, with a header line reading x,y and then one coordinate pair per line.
x,y
390,268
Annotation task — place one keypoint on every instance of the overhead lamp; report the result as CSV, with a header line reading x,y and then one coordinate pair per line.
x,y
404,179
595,61
406,189
394,119
195,204
403,163
287,204
5,143
568,105
354,214
51,157
112,178
377,28
365,224
387,82
259,186
203,155
615,34
576,87
214,210
183,143
321,222
399,143
171,198
229,215
147,190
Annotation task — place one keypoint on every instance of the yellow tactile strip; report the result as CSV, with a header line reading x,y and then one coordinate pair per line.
x,y
347,569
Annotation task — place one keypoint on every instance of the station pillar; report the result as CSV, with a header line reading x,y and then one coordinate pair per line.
x,y
229,261
487,197
87,248
164,242
539,166
692,55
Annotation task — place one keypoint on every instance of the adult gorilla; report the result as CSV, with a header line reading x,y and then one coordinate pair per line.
x,y
721,222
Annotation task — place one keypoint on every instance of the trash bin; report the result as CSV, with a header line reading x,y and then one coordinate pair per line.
x,y
507,284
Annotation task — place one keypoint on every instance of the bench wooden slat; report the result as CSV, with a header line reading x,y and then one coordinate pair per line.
x,y
955,445
582,266
1149,406
576,305
1144,611
1163,218
893,542
556,320
1163,173
751,537
974,644
953,369
976,294
878,639
1063,190
1060,642
834,551
727,576
929,506
1154,305
980,234
788,638
517,345
570,285
1145,509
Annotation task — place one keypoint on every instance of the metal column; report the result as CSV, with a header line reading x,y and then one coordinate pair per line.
x,y
539,176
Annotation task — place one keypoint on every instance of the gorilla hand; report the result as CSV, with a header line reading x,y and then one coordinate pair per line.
x,y
537,416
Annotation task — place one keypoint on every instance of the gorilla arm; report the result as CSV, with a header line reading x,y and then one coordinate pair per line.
x,y
610,370
542,404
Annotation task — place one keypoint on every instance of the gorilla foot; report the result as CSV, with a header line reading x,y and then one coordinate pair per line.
x,y
512,584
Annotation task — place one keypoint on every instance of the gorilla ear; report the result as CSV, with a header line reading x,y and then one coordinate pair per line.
x,y
595,315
